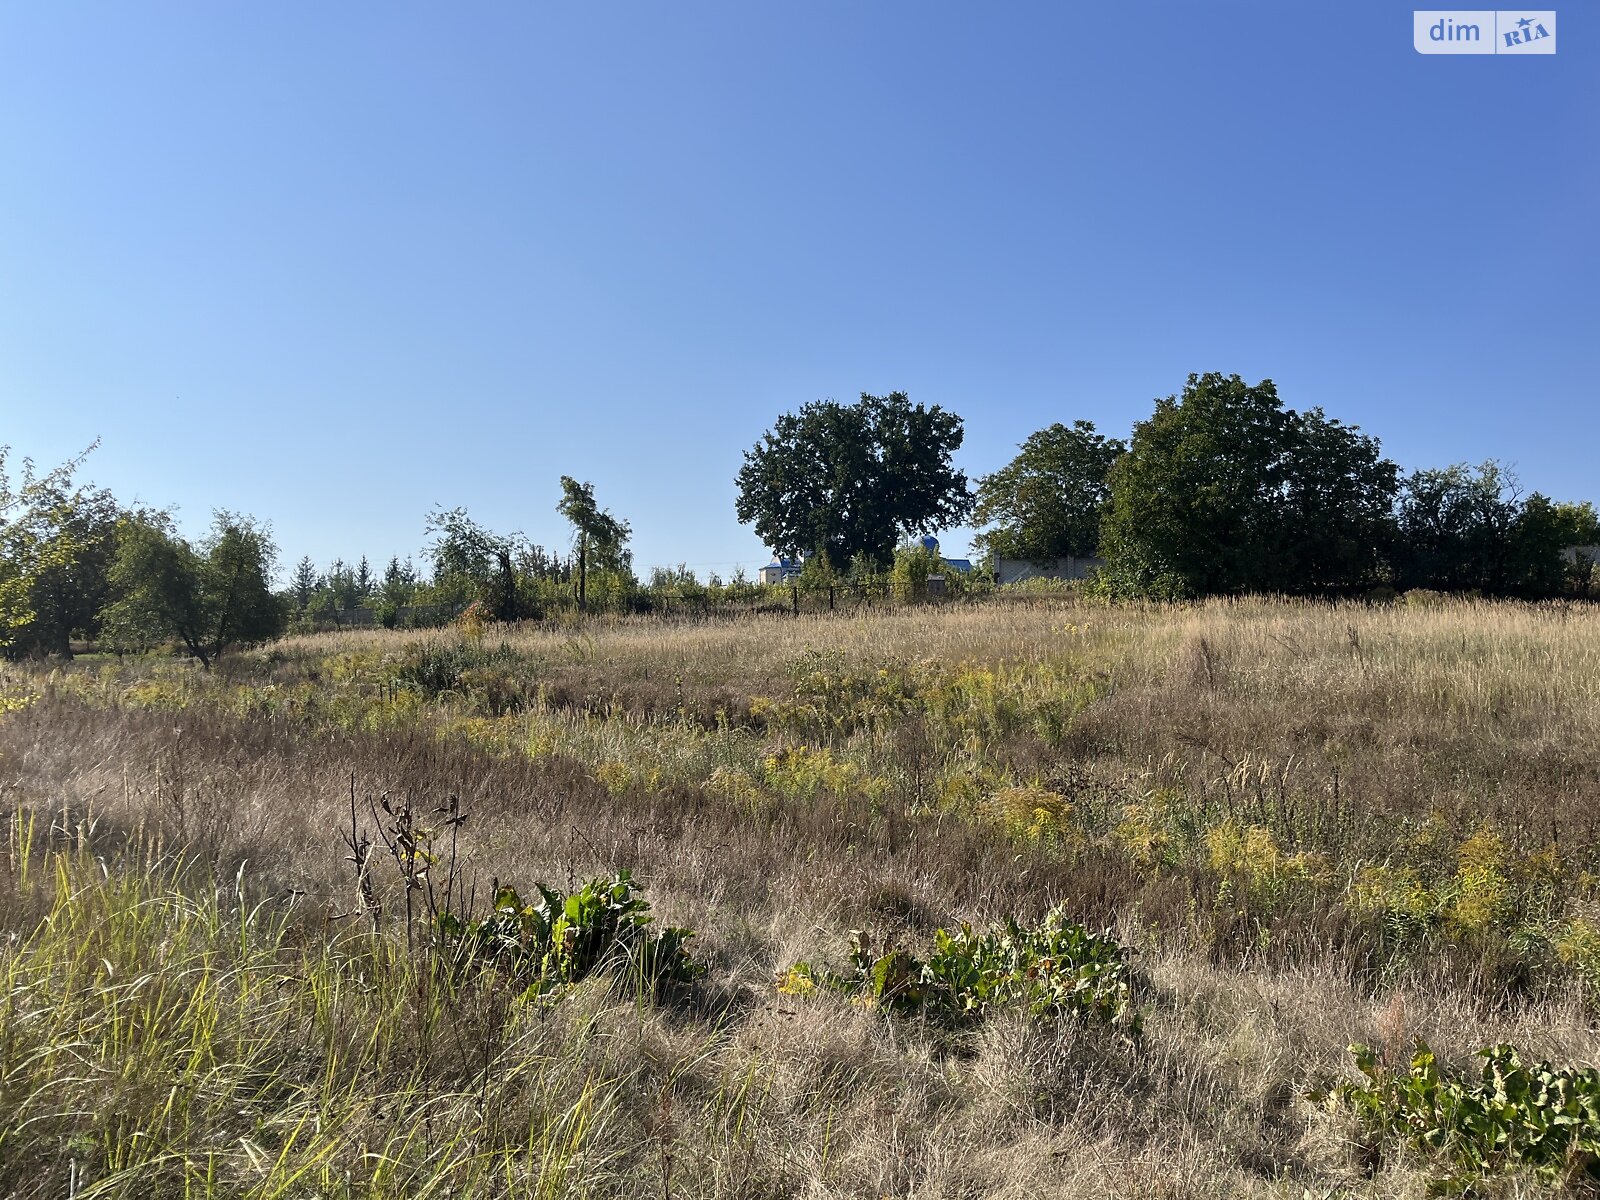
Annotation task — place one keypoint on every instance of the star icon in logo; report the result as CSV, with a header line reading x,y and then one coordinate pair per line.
x,y
1525,22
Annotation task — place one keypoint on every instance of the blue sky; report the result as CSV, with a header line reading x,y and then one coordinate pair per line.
x,y
332,264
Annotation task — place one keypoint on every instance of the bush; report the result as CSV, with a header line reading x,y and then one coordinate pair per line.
x,y
1054,971
435,668
1515,1116
912,566
561,939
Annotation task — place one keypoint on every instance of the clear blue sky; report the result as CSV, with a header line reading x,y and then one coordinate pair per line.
x,y
330,264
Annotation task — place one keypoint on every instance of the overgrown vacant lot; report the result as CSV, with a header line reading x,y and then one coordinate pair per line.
x,y
1301,825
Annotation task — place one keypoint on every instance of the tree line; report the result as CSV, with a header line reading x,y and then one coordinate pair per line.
x,y
78,566
1222,489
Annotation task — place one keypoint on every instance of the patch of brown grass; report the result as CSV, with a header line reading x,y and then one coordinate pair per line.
x,y
1330,725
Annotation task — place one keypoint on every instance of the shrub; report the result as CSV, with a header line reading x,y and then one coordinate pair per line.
x,y
1032,812
1578,946
832,697
1054,971
14,697
1251,856
735,786
1396,895
1515,1116
559,940
1484,897
1423,598
1141,832
908,579
497,677
799,773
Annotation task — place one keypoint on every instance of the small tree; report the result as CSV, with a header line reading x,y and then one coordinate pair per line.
x,y
1544,531
211,598
344,581
303,583
472,564
679,581
913,564
596,533
57,540
740,588
817,574
867,578
399,585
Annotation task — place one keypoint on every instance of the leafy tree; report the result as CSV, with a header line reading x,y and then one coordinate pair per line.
x,y
680,583
597,535
817,573
472,564
1225,490
1047,503
868,577
854,479
324,607
210,597
1456,526
913,563
535,562
57,540
1338,507
674,579
156,581
1544,530
740,588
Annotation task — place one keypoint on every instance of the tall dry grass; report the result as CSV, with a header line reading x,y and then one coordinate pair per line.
x,y
188,1014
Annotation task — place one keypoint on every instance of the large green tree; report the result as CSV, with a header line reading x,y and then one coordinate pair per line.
x,y
1455,527
1544,531
1048,502
57,540
1337,507
211,597
851,479
1464,527
598,538
1223,489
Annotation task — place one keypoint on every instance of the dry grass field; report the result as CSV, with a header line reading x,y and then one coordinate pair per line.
x,y
1305,825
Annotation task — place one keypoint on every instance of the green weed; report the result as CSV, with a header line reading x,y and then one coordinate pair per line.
x,y
1053,971
1516,1116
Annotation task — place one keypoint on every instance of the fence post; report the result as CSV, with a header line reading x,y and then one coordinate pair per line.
x,y
796,598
